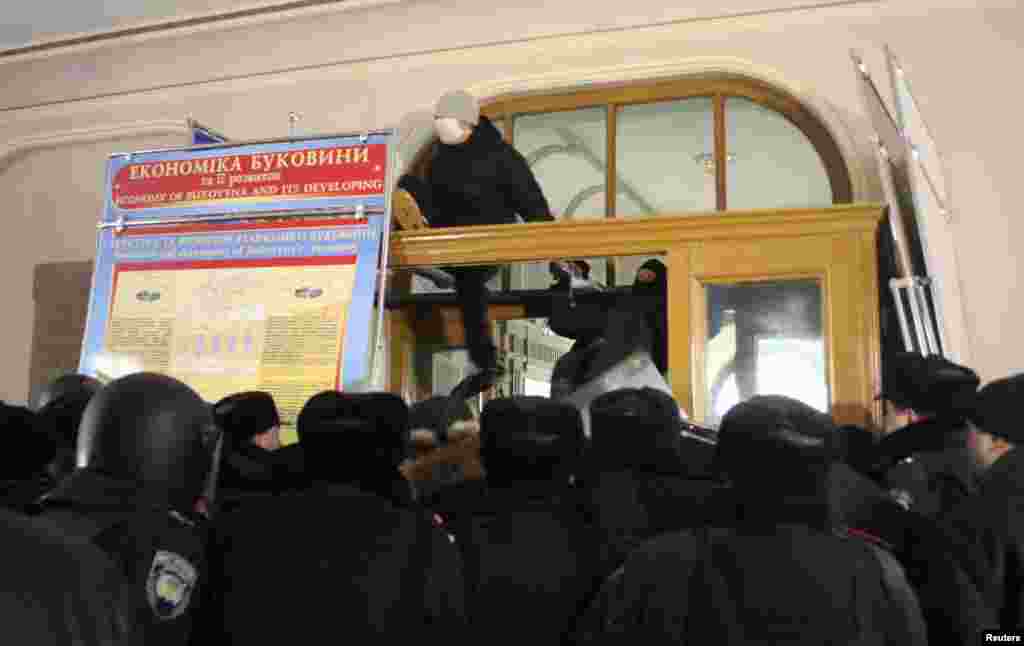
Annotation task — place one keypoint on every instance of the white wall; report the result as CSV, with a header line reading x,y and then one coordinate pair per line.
x,y
365,68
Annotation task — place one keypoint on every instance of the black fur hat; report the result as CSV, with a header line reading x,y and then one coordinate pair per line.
x,y
635,428
243,415
997,410
530,439
931,384
356,436
775,442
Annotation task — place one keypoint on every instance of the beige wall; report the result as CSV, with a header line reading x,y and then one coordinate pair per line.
x,y
365,68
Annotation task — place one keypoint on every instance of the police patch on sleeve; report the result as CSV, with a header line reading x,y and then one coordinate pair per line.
x,y
169,585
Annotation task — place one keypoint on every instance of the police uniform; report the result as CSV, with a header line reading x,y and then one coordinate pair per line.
x,y
160,552
58,590
146,452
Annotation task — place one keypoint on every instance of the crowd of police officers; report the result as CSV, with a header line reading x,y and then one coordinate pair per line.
x,y
137,513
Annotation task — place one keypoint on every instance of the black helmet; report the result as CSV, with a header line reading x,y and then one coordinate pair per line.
x,y
153,430
66,385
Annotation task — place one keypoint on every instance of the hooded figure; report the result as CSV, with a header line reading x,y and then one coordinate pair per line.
x,y
145,458
477,178
350,546
651,288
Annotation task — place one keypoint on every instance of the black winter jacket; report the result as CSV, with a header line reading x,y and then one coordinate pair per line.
x,y
484,181
990,526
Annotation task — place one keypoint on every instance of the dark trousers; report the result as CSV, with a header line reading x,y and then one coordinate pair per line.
x,y
472,294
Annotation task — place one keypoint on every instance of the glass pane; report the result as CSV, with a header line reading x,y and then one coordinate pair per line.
x,y
566,151
772,164
764,338
660,149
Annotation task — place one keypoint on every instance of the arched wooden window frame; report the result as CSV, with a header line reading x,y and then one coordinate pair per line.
x,y
718,88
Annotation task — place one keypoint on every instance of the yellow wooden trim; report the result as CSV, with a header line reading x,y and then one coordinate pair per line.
x,y
679,328
625,237
633,236
835,245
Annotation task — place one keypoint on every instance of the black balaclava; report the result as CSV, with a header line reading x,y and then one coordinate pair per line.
x,y
357,439
655,306
152,430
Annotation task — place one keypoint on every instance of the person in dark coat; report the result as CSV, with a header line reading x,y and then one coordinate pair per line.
x,y
145,458
991,523
477,178
927,463
348,556
651,291
530,558
637,483
779,574
29,449
58,590
250,465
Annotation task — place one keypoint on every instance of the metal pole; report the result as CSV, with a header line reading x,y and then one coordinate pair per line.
x,y
122,223
897,295
377,370
915,310
929,322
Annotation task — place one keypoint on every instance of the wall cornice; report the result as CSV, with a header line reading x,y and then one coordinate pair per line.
x,y
105,132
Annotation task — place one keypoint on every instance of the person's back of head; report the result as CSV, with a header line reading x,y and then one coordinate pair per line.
x,y
66,385
635,429
772,445
930,386
995,420
249,417
358,439
530,439
154,431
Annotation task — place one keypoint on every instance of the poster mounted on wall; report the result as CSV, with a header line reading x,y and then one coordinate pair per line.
x,y
243,267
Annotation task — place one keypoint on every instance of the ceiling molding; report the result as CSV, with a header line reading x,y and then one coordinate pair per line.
x,y
249,13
